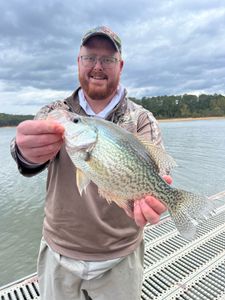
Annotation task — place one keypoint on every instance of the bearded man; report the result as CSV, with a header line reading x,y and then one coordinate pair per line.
x,y
89,249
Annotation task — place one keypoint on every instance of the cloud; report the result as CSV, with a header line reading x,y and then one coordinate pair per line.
x,y
29,99
169,47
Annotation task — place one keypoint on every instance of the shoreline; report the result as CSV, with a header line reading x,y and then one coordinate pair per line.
x,y
189,119
162,120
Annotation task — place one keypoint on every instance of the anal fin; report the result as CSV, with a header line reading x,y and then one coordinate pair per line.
x,y
110,197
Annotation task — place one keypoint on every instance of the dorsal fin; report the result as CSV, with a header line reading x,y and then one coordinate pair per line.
x,y
162,159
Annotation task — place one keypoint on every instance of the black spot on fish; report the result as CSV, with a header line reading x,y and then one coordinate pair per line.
x,y
76,120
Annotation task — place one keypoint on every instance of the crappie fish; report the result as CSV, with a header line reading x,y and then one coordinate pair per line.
x,y
126,168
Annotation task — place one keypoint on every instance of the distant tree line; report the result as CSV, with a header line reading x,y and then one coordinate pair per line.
x,y
184,106
163,107
13,120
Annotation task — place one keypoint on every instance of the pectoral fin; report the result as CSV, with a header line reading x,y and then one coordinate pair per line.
x,y
82,181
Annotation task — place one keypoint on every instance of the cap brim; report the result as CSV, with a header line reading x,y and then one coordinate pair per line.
x,y
102,34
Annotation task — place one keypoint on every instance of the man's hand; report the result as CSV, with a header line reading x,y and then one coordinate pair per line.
x,y
39,140
149,209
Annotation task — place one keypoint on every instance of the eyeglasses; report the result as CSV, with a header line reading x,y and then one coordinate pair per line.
x,y
107,62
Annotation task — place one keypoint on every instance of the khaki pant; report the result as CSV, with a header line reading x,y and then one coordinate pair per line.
x,y
122,282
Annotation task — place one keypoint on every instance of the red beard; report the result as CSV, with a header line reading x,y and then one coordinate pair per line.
x,y
96,92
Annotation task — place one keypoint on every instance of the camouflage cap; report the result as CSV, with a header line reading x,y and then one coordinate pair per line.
x,y
105,31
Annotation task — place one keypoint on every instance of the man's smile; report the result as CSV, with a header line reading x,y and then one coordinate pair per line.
x,y
98,76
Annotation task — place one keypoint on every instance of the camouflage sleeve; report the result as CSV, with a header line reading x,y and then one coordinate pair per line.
x,y
148,128
43,112
24,167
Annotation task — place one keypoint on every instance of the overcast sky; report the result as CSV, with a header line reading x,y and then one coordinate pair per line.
x,y
169,47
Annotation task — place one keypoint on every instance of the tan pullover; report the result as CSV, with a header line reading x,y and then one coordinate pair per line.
x,y
87,227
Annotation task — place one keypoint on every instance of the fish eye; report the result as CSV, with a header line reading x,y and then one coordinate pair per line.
x,y
75,120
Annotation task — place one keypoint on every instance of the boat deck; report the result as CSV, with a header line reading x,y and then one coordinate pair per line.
x,y
175,269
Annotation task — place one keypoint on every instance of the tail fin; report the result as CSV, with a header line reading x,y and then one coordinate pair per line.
x,y
189,211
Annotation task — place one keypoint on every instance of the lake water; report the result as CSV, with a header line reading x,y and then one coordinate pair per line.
x,y
197,146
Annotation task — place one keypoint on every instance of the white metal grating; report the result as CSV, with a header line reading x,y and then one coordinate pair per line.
x,y
175,269
25,289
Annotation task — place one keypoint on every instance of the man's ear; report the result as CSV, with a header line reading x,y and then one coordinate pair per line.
x,y
121,65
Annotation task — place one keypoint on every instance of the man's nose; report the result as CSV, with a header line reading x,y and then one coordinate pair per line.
x,y
98,64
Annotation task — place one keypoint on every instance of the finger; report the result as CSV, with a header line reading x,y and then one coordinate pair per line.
x,y
43,150
40,154
43,158
149,214
41,140
155,204
36,127
168,179
138,215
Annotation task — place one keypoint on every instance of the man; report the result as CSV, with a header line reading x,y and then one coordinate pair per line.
x,y
90,249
